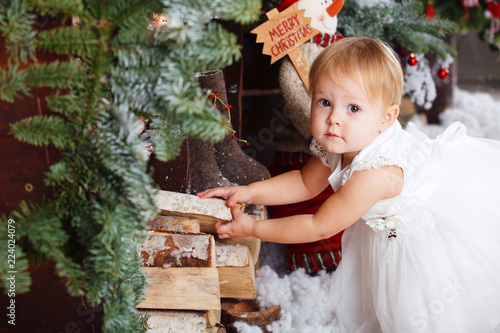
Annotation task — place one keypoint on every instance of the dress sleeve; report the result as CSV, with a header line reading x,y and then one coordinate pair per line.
x,y
319,152
375,161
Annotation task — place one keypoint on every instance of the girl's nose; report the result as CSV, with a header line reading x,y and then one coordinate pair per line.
x,y
334,119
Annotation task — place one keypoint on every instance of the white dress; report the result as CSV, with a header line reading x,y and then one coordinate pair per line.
x,y
427,260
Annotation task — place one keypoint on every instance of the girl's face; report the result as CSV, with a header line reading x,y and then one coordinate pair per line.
x,y
343,119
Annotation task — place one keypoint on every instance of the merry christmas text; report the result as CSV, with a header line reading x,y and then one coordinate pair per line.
x,y
288,34
284,32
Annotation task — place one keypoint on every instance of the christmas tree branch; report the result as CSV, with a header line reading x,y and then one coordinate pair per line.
x,y
12,84
16,27
69,40
42,131
103,195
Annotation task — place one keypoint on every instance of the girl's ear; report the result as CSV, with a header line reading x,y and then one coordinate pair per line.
x,y
390,116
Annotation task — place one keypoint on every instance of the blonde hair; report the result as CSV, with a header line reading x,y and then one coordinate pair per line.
x,y
370,63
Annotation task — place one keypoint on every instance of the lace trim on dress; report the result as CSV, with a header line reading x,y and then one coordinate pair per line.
x,y
375,162
406,215
319,152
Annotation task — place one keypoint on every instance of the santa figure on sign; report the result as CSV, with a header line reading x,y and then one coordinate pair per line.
x,y
492,12
292,143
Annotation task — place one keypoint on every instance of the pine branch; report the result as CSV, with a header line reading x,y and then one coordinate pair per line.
x,y
55,8
67,104
130,14
402,22
42,131
47,236
69,40
167,141
136,87
219,49
134,55
57,174
103,197
243,11
208,126
55,75
15,27
12,85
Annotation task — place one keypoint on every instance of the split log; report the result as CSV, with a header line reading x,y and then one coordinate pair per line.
x,y
183,288
161,321
213,317
236,270
207,211
161,249
252,243
249,313
174,224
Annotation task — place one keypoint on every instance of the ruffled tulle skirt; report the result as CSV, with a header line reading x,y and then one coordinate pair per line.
x,y
441,277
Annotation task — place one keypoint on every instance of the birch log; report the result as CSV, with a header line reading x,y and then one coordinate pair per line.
x,y
236,270
162,321
183,288
207,211
174,224
161,249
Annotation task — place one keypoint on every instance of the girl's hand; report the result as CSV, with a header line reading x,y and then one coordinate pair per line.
x,y
233,194
241,225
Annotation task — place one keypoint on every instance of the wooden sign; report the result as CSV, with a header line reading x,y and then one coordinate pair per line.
x,y
283,34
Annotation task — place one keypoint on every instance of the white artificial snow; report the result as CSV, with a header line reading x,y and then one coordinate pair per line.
x,y
303,299
446,63
242,327
478,111
419,84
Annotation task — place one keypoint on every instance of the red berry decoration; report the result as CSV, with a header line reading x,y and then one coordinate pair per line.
x,y
412,60
443,73
430,12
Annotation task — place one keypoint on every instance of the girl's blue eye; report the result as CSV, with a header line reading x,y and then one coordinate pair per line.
x,y
353,108
324,103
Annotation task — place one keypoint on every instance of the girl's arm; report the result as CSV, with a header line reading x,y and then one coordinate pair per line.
x,y
291,187
363,190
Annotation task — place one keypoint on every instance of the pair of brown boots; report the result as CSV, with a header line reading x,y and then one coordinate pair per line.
x,y
203,164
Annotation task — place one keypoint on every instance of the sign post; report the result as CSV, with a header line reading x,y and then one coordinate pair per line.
x,y
283,33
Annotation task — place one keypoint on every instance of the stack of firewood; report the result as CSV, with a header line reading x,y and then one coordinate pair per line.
x,y
189,269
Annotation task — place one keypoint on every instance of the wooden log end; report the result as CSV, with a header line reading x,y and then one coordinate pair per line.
x,y
178,250
249,313
174,224
187,204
